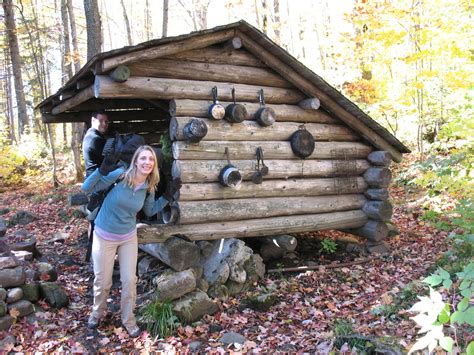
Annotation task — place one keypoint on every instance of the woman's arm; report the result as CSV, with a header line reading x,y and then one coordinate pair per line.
x,y
97,182
152,206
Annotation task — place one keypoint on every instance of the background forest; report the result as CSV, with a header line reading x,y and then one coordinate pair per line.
x,y
408,64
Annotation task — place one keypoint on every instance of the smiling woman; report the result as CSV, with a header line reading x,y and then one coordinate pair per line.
x,y
115,227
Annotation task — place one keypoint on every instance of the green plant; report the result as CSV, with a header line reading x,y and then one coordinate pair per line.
x,y
445,323
328,246
166,147
159,319
345,335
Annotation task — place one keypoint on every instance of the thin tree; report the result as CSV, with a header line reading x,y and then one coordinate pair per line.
x,y
72,20
164,31
16,64
66,55
94,28
127,23
7,89
148,22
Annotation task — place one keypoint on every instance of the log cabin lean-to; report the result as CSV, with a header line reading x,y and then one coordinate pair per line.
x,y
304,158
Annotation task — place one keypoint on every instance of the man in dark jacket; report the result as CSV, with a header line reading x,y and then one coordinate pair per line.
x,y
94,141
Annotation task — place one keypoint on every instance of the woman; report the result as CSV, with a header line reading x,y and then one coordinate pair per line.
x,y
115,228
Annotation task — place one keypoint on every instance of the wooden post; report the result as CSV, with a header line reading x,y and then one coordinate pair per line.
x,y
312,103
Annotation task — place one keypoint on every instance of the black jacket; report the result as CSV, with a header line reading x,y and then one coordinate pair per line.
x,y
92,147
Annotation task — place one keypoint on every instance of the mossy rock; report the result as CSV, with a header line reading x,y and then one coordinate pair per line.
x,y
31,292
54,294
260,303
3,308
218,291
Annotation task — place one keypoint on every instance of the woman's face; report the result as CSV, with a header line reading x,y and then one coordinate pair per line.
x,y
145,162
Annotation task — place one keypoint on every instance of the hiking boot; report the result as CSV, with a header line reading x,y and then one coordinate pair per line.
x,y
93,321
133,331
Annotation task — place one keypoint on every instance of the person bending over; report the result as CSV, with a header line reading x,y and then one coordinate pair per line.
x,y
115,228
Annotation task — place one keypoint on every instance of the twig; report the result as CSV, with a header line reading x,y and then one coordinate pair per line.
x,y
328,266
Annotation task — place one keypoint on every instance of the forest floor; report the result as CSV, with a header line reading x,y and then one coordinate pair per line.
x,y
314,307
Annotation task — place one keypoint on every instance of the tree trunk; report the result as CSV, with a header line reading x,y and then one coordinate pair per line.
x,y
148,22
127,23
164,28
94,30
9,98
76,56
16,64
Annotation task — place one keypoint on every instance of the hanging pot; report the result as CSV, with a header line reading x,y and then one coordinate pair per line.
x,y
216,111
170,214
265,115
264,169
229,175
257,177
235,113
302,143
195,130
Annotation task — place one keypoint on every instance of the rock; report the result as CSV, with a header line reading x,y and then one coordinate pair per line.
x,y
23,217
261,303
203,285
3,308
379,248
28,243
232,338
285,242
3,227
193,306
198,271
147,264
206,248
47,272
31,292
356,248
23,255
234,288
393,230
23,308
53,294
12,277
271,252
4,210
60,237
238,256
14,294
195,345
3,294
173,285
6,322
255,269
7,262
215,328
175,252
218,291
32,275
7,343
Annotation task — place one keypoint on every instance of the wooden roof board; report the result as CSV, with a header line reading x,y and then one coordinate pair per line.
x,y
262,40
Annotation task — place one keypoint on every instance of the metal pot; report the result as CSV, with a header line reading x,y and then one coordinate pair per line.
x,y
229,175
216,111
265,116
235,113
302,143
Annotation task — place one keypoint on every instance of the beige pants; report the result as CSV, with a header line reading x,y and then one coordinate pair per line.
x,y
103,255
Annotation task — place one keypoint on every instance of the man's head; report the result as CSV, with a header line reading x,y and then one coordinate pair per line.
x,y
100,121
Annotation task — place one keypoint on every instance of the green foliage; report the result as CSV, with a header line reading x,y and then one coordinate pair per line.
x,y
400,302
159,319
166,147
328,246
345,335
444,323
12,165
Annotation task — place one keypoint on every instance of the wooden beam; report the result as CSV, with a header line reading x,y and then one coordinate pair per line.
x,y
288,113
252,131
170,68
77,99
139,127
208,170
241,150
165,88
312,103
120,104
274,188
217,55
167,49
122,115
191,212
311,90
254,228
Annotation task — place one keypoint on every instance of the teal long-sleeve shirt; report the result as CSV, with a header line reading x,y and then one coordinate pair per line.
x,y
121,205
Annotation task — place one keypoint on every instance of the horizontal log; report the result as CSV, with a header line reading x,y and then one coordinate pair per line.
x,y
218,55
378,210
171,48
122,115
252,131
254,227
122,104
310,89
378,177
208,170
172,68
242,150
377,194
75,100
153,138
274,188
251,208
380,158
139,127
374,231
165,88
120,74
312,103
289,113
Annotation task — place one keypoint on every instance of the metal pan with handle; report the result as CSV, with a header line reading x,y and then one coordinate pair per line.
x,y
265,116
235,113
216,111
229,175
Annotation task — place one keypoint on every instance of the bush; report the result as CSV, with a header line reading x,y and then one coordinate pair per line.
x,y
159,319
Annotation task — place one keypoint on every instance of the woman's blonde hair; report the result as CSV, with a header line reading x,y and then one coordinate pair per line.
x,y
152,179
